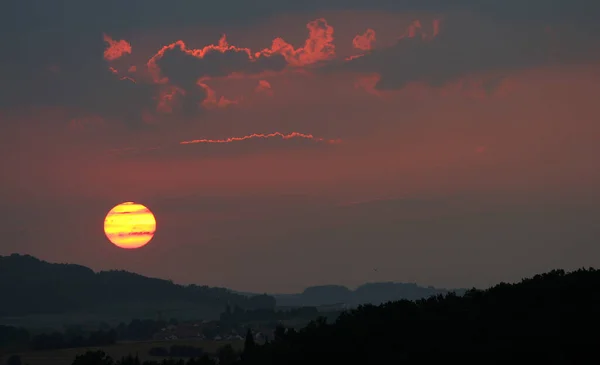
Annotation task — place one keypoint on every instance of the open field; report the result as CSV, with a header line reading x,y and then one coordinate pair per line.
x,y
93,318
66,356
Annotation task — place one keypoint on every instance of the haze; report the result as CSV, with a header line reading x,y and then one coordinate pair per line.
x,y
410,141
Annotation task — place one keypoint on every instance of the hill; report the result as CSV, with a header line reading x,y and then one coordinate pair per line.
x,y
370,293
36,288
549,319
31,287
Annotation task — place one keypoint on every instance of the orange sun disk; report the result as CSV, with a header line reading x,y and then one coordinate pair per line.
x,y
129,225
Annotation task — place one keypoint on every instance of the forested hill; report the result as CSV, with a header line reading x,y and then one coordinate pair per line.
x,y
370,293
31,286
549,319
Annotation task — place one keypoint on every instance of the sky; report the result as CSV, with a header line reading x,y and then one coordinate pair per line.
x,y
285,144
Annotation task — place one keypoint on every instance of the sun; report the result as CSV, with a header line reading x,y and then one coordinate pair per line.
x,y
129,225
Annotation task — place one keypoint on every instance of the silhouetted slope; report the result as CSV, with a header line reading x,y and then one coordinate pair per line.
x,y
549,319
371,293
316,296
29,286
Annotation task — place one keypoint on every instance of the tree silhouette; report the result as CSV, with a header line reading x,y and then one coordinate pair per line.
x,y
227,355
13,360
249,343
93,358
542,320
547,319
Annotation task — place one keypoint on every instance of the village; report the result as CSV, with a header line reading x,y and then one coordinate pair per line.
x,y
234,324
211,330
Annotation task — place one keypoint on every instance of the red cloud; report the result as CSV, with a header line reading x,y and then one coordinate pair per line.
x,y
263,136
416,28
116,49
317,47
189,69
211,101
436,27
263,86
368,83
364,42
167,98
250,137
222,47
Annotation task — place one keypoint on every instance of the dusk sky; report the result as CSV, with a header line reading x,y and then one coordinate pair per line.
x,y
284,144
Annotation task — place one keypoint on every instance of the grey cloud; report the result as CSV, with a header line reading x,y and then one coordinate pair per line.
x,y
120,16
468,45
72,75
183,69
69,20
36,34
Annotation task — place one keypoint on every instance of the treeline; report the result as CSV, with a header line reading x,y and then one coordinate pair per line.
x,y
13,339
177,351
239,315
140,329
101,358
226,355
58,340
549,319
19,339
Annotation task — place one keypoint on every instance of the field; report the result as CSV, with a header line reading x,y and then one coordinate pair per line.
x,y
111,316
66,356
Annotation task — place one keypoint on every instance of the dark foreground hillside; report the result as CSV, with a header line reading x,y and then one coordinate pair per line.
x,y
30,286
552,318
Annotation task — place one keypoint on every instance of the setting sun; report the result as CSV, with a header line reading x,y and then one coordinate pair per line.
x,y
129,225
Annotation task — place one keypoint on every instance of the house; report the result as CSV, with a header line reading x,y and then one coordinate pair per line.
x,y
234,338
263,335
173,332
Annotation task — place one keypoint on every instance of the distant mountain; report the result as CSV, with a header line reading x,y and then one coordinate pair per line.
x,y
31,286
371,293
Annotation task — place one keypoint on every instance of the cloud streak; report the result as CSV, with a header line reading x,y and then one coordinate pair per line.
x,y
262,136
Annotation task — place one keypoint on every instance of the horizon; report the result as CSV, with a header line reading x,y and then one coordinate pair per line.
x,y
235,290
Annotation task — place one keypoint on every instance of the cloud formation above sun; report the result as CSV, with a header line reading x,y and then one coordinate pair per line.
x,y
429,47
205,82
201,81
